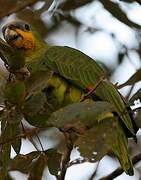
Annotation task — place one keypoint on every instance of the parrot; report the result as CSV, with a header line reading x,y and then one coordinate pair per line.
x,y
74,76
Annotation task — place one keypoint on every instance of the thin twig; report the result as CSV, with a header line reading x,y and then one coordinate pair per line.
x,y
92,91
129,1
119,170
66,157
40,142
33,143
21,135
130,91
44,8
29,137
95,172
79,161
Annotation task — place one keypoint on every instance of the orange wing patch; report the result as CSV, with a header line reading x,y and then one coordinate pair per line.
x,y
90,88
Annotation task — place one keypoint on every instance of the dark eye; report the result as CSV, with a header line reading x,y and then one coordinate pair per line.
x,y
11,27
27,27
15,37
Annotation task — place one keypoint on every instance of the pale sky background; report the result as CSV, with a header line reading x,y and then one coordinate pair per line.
x,y
102,47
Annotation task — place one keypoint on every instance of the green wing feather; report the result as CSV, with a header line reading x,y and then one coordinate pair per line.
x,y
74,65
83,71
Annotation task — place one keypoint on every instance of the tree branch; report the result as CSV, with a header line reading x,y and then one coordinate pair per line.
x,y
119,170
27,134
130,1
95,172
11,7
66,156
73,4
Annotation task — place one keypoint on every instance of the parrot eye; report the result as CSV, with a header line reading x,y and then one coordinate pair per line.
x,y
27,27
11,27
15,37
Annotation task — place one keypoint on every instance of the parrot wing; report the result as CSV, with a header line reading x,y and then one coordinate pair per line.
x,y
85,73
74,65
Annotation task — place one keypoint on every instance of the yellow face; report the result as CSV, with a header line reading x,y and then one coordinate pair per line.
x,y
18,35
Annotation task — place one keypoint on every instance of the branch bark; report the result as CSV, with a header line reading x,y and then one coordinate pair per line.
x,y
10,7
27,134
130,1
66,156
119,170
73,4
95,172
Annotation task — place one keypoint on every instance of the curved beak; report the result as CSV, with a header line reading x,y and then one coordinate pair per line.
x,y
10,34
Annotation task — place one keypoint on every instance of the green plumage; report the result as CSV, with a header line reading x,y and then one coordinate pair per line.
x,y
66,74
82,71
74,72
55,86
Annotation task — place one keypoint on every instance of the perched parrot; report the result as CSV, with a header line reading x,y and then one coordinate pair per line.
x,y
73,75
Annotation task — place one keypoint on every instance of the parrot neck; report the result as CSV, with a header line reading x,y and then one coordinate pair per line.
x,y
39,49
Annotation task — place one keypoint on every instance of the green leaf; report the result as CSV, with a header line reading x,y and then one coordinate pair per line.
x,y
132,80
6,134
34,104
16,61
14,58
53,161
37,82
35,110
8,177
23,163
26,163
38,120
5,150
15,92
86,113
96,127
17,144
14,123
138,118
11,129
37,168
6,50
105,136
5,159
3,81
98,141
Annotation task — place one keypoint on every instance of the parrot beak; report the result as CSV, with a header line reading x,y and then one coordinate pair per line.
x,y
10,35
18,35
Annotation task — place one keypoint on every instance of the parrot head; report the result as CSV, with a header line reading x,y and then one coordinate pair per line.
x,y
18,35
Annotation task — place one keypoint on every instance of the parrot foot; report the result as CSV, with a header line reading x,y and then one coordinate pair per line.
x,y
22,73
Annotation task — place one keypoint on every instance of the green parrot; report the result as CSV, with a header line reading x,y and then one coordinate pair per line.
x,y
72,77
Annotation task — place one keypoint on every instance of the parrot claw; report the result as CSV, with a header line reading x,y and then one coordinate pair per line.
x,y
21,74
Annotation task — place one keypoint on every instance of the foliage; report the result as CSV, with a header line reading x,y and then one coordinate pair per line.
x,y
97,123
